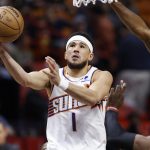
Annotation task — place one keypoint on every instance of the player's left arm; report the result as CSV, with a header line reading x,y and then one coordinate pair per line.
x,y
99,88
101,84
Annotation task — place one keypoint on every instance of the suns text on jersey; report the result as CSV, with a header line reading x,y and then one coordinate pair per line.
x,y
63,103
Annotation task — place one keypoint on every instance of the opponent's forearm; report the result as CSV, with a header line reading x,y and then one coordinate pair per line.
x,y
120,139
131,20
84,95
14,68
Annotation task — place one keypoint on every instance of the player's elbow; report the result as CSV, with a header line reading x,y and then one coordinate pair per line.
x,y
93,101
25,82
144,34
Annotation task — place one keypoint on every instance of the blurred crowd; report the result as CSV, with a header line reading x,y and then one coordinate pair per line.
x,y
48,23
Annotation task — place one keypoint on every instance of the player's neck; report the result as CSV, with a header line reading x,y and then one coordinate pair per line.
x,y
77,72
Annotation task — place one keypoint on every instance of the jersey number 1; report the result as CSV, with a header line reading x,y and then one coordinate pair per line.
x,y
74,122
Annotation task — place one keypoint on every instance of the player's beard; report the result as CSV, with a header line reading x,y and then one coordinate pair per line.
x,y
77,66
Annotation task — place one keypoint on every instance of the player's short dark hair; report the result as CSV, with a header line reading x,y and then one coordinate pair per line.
x,y
82,34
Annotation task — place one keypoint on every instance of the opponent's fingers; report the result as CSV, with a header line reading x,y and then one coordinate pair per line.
x,y
111,91
123,86
121,82
118,89
106,97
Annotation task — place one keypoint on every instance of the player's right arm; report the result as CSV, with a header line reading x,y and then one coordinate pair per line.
x,y
133,22
36,79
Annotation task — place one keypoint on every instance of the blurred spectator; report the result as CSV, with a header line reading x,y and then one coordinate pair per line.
x,y
5,130
134,64
105,43
4,2
35,113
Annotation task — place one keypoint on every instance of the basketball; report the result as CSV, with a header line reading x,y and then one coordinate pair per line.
x,y
11,24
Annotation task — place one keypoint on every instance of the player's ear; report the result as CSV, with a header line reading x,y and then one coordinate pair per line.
x,y
91,56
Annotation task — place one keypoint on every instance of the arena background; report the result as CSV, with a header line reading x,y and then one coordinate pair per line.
x,y
48,23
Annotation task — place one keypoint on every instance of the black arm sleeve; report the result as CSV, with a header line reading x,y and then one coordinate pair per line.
x,y
117,137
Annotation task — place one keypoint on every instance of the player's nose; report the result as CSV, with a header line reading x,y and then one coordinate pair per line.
x,y
76,50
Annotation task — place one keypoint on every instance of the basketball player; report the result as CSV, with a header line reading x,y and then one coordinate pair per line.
x,y
133,22
117,137
75,109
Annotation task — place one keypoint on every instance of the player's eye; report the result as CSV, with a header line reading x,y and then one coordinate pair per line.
x,y
72,45
82,46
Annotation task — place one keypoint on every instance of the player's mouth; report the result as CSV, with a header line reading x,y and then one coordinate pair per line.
x,y
75,57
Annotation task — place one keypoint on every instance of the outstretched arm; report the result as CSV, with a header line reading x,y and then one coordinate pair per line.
x,y
133,22
121,138
36,80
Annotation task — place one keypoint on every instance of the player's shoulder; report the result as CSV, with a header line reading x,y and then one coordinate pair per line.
x,y
98,73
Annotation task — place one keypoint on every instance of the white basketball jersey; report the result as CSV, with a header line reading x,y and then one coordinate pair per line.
x,y
73,125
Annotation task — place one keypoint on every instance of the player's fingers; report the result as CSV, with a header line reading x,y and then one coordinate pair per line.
x,y
49,74
51,59
53,62
3,47
50,66
118,89
45,72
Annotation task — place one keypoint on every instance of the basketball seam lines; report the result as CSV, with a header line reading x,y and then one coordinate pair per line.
x,y
14,17
8,26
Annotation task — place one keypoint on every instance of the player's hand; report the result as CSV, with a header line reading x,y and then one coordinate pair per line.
x,y
108,1
44,147
2,49
54,71
116,95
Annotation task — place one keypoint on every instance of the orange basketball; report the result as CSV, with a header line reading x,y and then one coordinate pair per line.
x,y
11,24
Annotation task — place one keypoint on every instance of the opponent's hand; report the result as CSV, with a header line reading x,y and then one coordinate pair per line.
x,y
116,95
54,71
